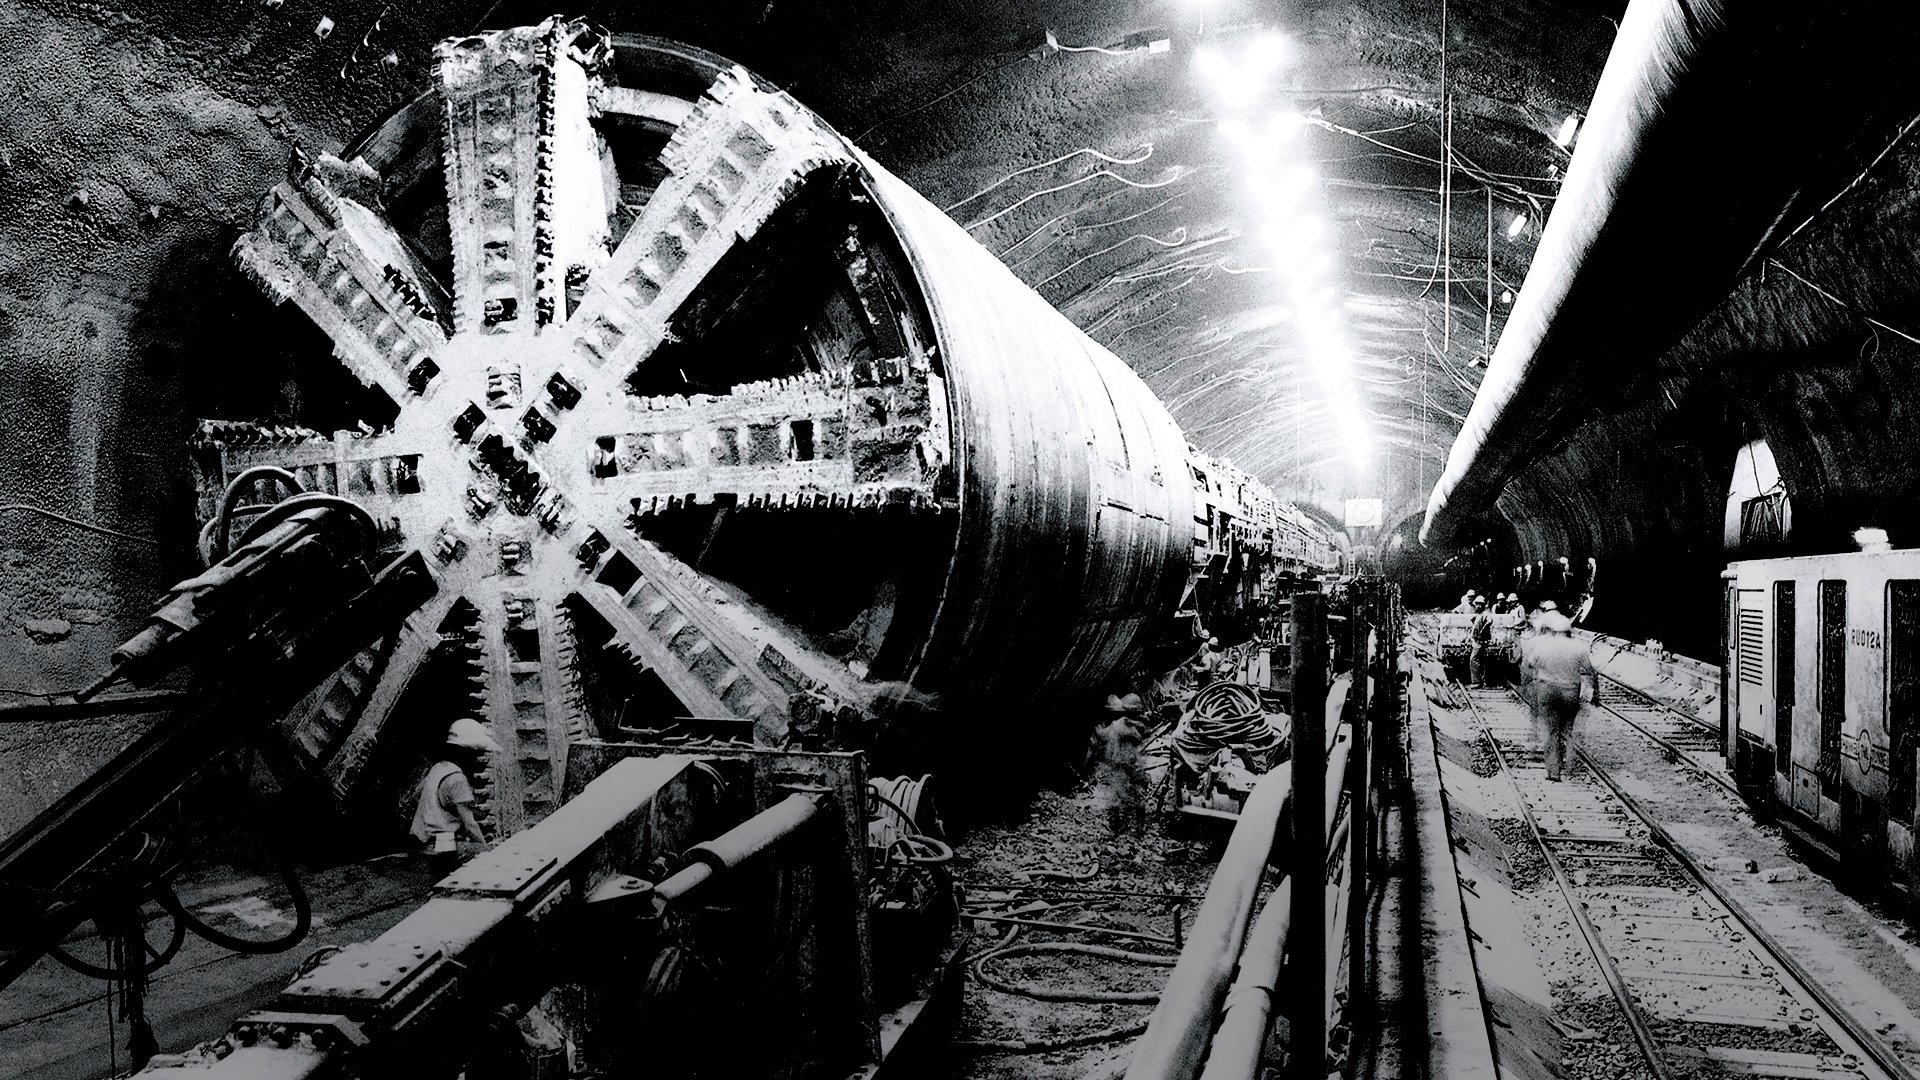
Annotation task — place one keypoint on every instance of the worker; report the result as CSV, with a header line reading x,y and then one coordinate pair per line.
x,y
1119,781
1480,641
1554,667
1465,606
443,808
1208,662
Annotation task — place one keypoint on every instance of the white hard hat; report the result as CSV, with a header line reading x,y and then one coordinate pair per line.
x,y
1555,623
468,734
1548,605
1214,641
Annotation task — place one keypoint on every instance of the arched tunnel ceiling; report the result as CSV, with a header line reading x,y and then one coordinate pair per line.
x,y
141,133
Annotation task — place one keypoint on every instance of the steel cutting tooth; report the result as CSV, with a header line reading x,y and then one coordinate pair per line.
x,y
666,617
525,191
417,641
323,244
730,164
532,699
315,727
808,441
384,473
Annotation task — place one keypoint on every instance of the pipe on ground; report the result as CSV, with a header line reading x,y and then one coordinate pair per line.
x,y
1178,1032
1242,1039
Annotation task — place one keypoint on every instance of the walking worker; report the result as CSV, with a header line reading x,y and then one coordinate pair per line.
x,y
1554,666
1481,642
1118,778
443,808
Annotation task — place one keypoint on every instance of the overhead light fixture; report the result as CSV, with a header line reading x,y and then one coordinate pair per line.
x,y
1147,41
1506,296
1872,539
1517,226
1568,129
1140,41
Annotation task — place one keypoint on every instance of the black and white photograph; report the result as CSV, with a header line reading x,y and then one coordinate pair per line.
x,y
998,540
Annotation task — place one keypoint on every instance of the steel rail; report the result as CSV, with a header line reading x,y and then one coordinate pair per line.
x,y
1868,1046
1666,744
1654,702
1609,970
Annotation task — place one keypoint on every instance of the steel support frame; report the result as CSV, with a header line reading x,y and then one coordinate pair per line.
x,y
545,908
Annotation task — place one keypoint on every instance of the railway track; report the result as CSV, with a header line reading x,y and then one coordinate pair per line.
x,y
1703,989
1686,737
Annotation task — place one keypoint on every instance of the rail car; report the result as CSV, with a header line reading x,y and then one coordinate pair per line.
x,y
1820,692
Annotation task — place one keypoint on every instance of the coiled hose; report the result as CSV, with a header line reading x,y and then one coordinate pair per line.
x,y
1225,714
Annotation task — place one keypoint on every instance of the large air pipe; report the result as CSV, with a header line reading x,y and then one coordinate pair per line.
x,y
1716,130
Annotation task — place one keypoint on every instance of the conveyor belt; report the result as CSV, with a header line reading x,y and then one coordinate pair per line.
x,y
1703,988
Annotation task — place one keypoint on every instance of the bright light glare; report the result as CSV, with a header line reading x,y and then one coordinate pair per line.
x,y
1267,52
1568,128
1238,81
1517,226
1296,238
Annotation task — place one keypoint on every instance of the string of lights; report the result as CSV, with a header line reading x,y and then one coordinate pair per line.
x,y
1283,189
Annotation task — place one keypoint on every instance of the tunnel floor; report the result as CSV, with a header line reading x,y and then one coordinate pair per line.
x,y
1706,983
1062,864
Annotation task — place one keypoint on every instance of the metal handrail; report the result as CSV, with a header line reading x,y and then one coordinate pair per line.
x,y
1181,1035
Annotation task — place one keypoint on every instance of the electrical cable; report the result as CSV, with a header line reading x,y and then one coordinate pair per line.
x,y
1146,151
302,919
296,893
1225,715
1179,236
154,962
876,125
75,522
1178,173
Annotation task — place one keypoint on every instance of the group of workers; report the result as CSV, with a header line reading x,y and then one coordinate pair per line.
x,y
1555,666
1501,604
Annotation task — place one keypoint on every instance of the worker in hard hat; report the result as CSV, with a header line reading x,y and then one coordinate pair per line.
x,y
1207,663
1480,639
1465,606
443,808
1555,667
1120,783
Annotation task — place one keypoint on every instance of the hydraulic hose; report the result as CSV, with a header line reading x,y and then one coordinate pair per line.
x,y
223,524
302,919
1048,993
155,960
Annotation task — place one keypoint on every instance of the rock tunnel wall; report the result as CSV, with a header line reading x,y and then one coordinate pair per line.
x,y
1812,354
